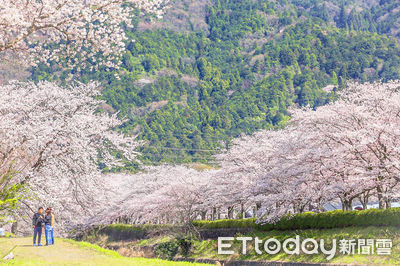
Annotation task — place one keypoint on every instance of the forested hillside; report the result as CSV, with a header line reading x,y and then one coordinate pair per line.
x,y
194,80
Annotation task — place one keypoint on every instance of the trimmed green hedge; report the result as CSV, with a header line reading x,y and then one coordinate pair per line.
x,y
138,228
310,220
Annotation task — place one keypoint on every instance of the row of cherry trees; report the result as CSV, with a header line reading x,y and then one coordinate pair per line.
x,y
347,151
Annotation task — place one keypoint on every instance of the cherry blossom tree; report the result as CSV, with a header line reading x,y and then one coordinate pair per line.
x,y
161,194
267,171
345,150
366,124
60,30
53,140
240,165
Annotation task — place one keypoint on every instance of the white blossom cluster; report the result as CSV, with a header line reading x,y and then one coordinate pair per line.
x,y
66,30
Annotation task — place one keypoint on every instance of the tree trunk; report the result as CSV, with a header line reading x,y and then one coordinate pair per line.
x,y
364,201
388,203
380,198
347,205
258,207
242,210
230,212
14,228
214,214
203,215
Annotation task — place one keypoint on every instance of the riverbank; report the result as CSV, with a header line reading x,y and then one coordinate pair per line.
x,y
144,241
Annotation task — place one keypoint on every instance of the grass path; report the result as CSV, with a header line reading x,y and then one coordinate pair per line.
x,y
68,252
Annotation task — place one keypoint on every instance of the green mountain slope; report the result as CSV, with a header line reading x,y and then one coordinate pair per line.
x,y
194,80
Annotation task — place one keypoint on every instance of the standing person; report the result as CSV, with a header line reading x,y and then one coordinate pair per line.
x,y
52,224
48,229
37,225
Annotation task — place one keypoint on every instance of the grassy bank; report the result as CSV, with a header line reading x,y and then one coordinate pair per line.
x,y
149,240
207,248
69,252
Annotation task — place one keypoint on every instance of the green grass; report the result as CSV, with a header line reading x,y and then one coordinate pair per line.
x,y
153,241
88,245
69,252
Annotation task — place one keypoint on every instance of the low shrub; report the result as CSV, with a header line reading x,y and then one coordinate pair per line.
x,y
184,243
167,250
179,245
310,220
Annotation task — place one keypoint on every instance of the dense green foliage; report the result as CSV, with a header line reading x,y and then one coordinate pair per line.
x,y
188,94
167,250
309,220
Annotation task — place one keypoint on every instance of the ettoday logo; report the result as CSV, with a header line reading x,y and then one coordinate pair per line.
x,y
309,246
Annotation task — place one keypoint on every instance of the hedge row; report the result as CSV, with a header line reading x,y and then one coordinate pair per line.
x,y
140,227
310,220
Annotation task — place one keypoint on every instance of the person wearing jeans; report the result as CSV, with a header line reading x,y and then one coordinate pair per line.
x,y
37,225
48,229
